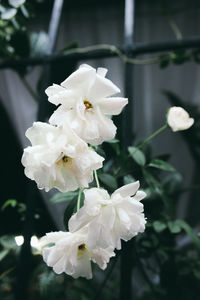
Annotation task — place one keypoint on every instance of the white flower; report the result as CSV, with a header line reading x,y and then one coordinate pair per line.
x,y
71,255
59,158
179,119
85,103
110,219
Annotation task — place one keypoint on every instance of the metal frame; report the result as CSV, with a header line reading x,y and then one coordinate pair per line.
x,y
130,49
134,50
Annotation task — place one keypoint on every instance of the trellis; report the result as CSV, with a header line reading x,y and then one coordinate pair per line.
x,y
128,51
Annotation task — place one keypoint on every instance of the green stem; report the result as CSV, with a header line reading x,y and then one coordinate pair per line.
x,y
152,136
145,142
79,199
96,179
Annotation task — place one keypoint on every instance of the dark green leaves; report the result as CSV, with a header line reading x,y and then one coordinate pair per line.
x,y
8,14
38,43
137,155
186,227
128,179
16,3
174,226
159,226
161,164
108,180
9,202
153,183
70,209
60,197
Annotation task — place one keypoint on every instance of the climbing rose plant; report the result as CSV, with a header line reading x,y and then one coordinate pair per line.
x,y
61,158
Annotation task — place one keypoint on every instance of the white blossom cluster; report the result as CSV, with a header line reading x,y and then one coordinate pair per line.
x,y
60,157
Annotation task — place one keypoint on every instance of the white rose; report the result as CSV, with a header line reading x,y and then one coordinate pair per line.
x,y
179,119
70,253
85,103
59,158
110,219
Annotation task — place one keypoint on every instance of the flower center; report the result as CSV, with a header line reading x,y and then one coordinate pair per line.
x,y
81,247
63,160
87,104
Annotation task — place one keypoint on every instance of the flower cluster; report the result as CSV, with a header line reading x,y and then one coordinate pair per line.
x,y
61,158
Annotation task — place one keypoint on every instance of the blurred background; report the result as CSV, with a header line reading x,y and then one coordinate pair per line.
x,y
29,30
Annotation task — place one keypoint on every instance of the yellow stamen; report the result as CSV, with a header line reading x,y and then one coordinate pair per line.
x,y
87,104
81,247
63,160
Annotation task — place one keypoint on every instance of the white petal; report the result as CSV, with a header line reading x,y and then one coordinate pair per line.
x,y
101,88
36,133
54,89
139,195
83,268
67,98
107,129
98,235
52,237
59,266
94,199
128,189
78,220
102,256
80,79
113,105
102,72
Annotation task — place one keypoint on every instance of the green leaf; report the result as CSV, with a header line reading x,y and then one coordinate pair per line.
x,y
161,164
147,191
24,11
8,242
47,279
100,151
70,209
113,141
172,183
3,253
159,226
153,183
16,3
190,232
38,43
108,180
8,14
60,197
107,166
10,202
137,155
21,207
128,179
2,8
164,61
174,226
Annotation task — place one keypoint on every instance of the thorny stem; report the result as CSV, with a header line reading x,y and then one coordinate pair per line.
x,y
96,179
79,199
